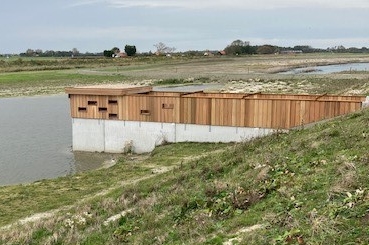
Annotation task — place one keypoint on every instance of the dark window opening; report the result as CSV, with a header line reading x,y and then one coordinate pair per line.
x,y
113,102
82,109
91,102
145,112
103,109
167,106
113,116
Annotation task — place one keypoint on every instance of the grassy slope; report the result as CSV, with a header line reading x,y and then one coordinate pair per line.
x,y
309,186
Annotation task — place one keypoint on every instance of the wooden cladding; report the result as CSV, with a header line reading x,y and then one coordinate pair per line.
x,y
221,109
93,106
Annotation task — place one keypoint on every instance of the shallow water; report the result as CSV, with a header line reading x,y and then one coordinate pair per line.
x,y
36,141
330,69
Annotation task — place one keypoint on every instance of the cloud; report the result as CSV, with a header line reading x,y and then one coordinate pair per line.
x,y
314,42
97,33
83,3
230,4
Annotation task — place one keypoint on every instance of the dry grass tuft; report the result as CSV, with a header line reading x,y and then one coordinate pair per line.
x,y
349,176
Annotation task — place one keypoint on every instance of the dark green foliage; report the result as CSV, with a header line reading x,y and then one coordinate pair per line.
x,y
108,53
130,50
239,47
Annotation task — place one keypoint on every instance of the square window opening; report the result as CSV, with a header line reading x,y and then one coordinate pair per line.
x,y
92,102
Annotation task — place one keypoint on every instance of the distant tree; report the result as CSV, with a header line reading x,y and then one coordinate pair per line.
x,y
75,52
240,47
115,50
161,48
241,43
30,52
130,50
267,49
49,53
304,48
38,51
112,52
108,53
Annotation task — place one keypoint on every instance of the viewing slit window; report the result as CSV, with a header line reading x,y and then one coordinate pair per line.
x,y
145,112
113,116
167,106
82,109
92,102
113,102
103,109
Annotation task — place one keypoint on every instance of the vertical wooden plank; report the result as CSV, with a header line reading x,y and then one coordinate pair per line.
x,y
234,112
269,114
287,114
254,119
247,113
193,102
242,112
302,120
293,113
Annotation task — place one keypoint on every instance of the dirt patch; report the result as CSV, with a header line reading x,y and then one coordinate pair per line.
x,y
239,233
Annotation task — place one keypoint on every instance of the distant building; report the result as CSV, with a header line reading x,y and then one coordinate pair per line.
x,y
120,55
291,52
209,53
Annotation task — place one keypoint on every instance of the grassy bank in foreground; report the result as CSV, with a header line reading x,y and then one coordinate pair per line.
x,y
306,187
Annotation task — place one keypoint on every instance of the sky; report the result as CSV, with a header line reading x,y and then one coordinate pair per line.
x,y
98,25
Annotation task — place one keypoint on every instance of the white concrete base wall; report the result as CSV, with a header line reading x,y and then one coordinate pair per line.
x,y
366,102
207,133
138,137
88,135
120,136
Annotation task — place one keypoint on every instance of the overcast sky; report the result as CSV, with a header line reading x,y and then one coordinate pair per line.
x,y
96,25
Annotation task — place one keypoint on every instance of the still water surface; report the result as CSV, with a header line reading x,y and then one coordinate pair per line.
x,y
36,140
330,69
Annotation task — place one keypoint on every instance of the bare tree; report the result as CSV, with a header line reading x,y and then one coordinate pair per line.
x,y
161,48
75,51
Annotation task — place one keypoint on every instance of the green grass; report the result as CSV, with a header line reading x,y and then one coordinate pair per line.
x,y
50,77
50,194
309,185
34,76
49,82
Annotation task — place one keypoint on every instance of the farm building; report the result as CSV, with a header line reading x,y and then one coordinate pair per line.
x,y
120,118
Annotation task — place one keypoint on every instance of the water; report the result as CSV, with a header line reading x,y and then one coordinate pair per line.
x,y
330,69
36,141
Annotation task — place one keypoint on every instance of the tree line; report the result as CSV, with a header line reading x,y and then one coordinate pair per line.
x,y
237,47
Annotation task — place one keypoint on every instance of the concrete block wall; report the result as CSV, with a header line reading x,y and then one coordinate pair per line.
x,y
366,102
119,136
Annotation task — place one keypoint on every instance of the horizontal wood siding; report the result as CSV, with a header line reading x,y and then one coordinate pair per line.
x,y
222,109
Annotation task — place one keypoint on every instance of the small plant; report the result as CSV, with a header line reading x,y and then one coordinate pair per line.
x,y
293,236
126,228
77,221
128,147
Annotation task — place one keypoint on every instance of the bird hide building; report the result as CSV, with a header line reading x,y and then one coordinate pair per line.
x,y
125,118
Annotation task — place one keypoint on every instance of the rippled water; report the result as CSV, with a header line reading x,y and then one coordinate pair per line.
x,y
36,140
